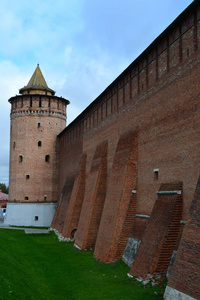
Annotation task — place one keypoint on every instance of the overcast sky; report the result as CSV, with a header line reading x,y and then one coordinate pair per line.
x,y
81,46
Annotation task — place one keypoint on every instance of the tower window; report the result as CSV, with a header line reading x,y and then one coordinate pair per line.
x,y
39,144
40,102
27,176
13,145
49,102
26,198
20,158
156,174
45,197
31,102
36,218
38,125
47,158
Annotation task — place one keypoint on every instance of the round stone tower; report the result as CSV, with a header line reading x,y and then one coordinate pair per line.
x,y
37,117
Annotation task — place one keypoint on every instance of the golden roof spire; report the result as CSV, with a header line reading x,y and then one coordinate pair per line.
x,y
37,82
37,79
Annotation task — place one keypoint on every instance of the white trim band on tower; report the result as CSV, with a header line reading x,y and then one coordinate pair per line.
x,y
37,112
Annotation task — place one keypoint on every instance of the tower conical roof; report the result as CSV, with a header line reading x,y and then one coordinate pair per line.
x,y
37,82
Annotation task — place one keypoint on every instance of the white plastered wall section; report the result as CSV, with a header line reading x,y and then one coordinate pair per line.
x,y
30,214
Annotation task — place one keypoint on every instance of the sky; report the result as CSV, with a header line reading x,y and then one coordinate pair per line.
x,y
80,45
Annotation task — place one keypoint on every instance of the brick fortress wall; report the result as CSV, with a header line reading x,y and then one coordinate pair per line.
x,y
140,133
185,276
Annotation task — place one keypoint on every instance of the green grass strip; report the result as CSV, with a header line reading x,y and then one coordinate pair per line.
x,y
40,267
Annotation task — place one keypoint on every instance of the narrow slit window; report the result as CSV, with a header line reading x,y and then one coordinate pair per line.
x,y
47,158
156,174
40,102
49,102
39,125
31,102
45,197
20,158
39,144
13,145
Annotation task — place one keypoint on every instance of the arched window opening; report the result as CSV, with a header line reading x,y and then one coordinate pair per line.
x,y
38,125
47,158
73,233
39,144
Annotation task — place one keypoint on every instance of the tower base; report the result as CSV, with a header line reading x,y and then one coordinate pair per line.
x,y
30,214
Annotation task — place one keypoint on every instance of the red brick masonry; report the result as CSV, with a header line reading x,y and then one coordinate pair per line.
x,y
141,134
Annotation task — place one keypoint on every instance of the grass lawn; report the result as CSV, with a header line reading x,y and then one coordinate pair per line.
x,y
41,267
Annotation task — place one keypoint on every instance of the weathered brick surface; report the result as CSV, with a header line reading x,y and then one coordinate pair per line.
x,y
139,226
94,199
185,276
66,180
59,217
127,226
72,213
33,135
159,239
120,185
